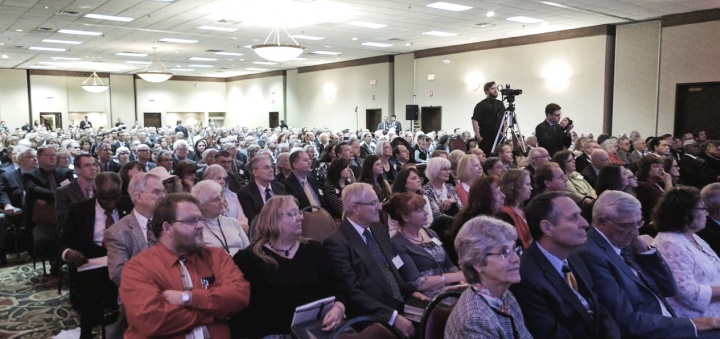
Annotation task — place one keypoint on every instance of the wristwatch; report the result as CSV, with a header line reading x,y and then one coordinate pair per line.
x,y
185,298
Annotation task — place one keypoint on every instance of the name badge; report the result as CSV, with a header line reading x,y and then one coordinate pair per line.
x,y
437,241
397,261
241,172
320,192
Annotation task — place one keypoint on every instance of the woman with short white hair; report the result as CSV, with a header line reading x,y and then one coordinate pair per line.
x,y
444,201
219,231
234,210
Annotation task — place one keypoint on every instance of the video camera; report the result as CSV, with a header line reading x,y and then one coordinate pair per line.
x,y
509,94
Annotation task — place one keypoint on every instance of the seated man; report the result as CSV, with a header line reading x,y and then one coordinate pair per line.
x,y
631,278
179,287
556,293
361,250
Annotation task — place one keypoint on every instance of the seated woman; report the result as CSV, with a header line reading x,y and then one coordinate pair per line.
x,y
185,171
515,185
409,180
444,201
611,177
490,262
284,271
372,173
337,176
219,231
426,267
233,209
680,214
494,166
468,169
576,184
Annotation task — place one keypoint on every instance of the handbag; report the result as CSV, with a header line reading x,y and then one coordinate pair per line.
x,y
44,214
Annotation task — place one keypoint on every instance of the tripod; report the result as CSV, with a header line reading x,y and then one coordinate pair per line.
x,y
509,124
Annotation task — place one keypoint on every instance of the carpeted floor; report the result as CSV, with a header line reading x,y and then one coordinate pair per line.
x,y
30,306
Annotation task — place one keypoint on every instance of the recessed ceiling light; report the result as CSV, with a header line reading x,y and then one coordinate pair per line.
x,y
256,69
182,69
18,30
366,24
307,37
131,54
64,58
62,41
554,4
524,20
180,41
326,53
482,25
222,29
248,46
376,44
228,53
354,39
138,62
201,66
265,63
4,56
48,49
202,59
449,6
490,14
408,44
442,34
109,17
70,31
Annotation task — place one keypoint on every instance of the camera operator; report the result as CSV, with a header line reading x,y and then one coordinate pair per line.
x,y
554,134
486,117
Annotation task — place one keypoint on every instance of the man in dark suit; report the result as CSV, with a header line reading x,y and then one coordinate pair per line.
x,y
78,190
692,170
361,251
143,156
384,125
583,160
181,128
85,123
598,159
105,161
83,239
556,292
631,278
11,191
26,127
395,124
553,133
261,187
711,233
300,184
233,180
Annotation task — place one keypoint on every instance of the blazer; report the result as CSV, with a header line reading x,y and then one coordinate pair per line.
x,y
368,292
634,156
293,187
64,197
11,189
124,240
581,162
113,166
590,175
365,150
37,187
551,308
473,318
80,227
553,140
628,300
693,172
251,201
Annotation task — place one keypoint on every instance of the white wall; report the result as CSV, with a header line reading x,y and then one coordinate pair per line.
x,y
578,64
14,106
404,85
249,101
122,99
179,96
63,94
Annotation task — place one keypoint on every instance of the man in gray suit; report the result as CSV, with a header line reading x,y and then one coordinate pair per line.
x,y
127,237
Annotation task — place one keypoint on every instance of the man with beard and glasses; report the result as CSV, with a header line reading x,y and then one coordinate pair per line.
x,y
486,117
180,288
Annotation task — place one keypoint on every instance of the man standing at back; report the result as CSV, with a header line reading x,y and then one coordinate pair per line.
x,y
486,117
553,133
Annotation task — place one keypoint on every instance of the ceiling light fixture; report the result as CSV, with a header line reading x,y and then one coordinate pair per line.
x,y
440,34
228,53
179,41
221,29
201,59
448,6
94,84
366,24
376,44
276,51
70,31
48,49
130,54
109,17
68,42
152,73
524,20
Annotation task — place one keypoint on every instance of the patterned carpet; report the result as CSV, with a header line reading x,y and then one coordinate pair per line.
x,y
30,306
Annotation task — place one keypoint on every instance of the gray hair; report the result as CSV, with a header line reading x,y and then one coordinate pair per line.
x,y
20,152
212,171
353,193
205,190
179,143
611,204
209,152
379,146
477,237
138,183
608,144
711,196
434,165
122,149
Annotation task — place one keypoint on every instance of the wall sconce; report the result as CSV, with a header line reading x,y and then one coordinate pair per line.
x,y
474,81
557,75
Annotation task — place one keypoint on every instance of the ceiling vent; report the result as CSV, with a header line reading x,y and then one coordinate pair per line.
x,y
45,29
68,13
482,25
213,50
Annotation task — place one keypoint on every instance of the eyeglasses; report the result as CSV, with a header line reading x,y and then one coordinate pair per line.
x,y
506,252
628,225
369,203
293,214
190,221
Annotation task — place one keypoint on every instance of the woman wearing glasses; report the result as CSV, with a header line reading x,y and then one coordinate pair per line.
x,y
490,262
233,209
442,196
426,268
680,214
284,271
220,231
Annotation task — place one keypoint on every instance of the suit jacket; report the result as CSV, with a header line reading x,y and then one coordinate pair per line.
x,y
581,162
292,185
11,189
365,150
183,129
628,300
64,197
693,172
80,227
124,240
551,308
553,140
113,166
711,234
37,187
590,175
368,291
85,124
251,201
634,156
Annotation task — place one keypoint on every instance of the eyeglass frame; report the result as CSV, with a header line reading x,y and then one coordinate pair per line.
x,y
625,226
505,254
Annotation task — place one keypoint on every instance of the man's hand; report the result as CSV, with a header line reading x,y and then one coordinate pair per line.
x,y
76,258
704,324
639,244
405,326
9,209
173,297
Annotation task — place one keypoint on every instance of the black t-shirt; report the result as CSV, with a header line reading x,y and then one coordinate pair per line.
x,y
488,114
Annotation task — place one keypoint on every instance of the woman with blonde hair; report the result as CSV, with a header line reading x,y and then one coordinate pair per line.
x,y
468,169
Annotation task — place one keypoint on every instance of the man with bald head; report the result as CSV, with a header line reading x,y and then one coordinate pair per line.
x,y
598,159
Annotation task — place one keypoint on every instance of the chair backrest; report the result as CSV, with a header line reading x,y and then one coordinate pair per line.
x,y
378,329
317,223
436,315
458,143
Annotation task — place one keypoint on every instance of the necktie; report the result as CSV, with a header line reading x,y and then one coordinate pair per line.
x,y
149,234
89,194
197,332
52,182
267,194
382,264
569,277
309,193
628,259
109,219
